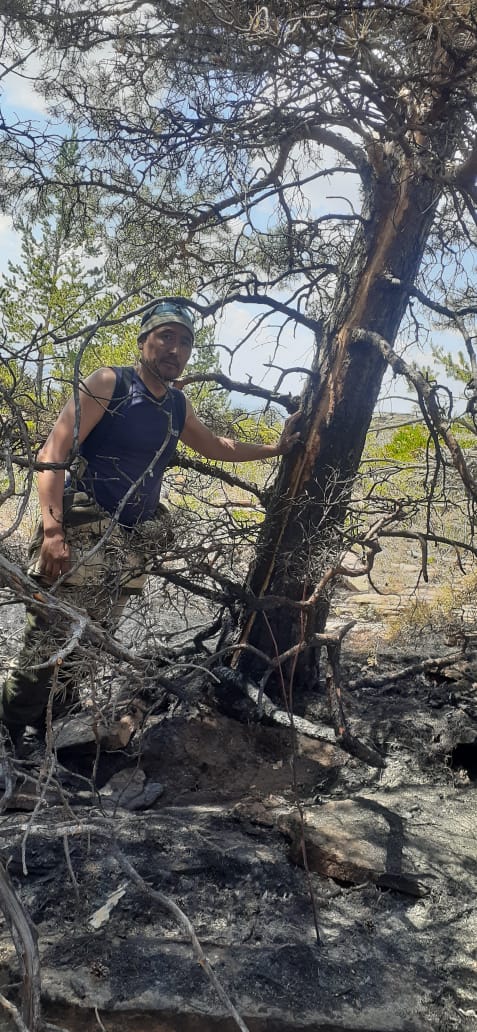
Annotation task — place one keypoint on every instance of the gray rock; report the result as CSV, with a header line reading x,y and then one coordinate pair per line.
x,y
129,790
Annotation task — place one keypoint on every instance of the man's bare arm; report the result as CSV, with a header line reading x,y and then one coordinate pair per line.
x,y
95,394
197,435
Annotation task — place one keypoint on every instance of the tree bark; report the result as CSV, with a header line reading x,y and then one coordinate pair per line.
x,y
303,530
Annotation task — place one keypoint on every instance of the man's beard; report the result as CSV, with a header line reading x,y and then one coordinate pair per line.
x,y
151,368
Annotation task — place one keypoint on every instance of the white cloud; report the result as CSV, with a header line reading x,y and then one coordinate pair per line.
x,y
19,93
266,344
9,242
330,192
21,97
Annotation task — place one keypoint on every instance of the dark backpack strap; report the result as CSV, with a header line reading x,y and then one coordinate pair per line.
x,y
180,403
124,378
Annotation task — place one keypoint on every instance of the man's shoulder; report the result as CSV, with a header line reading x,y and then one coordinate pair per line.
x,y
102,375
100,384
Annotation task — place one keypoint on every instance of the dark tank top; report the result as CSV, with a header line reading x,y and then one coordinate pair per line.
x,y
132,444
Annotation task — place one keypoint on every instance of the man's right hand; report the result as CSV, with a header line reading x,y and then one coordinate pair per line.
x,y
55,555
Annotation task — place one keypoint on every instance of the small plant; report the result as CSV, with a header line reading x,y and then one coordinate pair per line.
x,y
451,609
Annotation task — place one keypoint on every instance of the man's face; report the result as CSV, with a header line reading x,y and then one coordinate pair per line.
x,y
166,350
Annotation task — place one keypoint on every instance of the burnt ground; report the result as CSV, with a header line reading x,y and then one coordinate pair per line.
x,y
391,852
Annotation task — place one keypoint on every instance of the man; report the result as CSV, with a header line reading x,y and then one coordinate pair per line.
x,y
130,420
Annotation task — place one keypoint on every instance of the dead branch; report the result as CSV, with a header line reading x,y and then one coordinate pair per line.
x,y
428,397
14,1013
319,640
430,537
435,306
98,1019
271,397
424,557
77,631
74,881
188,462
231,679
8,777
26,944
274,663
281,717
381,680
346,739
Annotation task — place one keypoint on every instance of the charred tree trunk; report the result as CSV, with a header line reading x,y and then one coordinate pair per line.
x,y
303,530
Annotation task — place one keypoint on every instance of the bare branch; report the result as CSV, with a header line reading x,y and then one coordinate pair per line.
x,y
25,939
428,394
286,400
